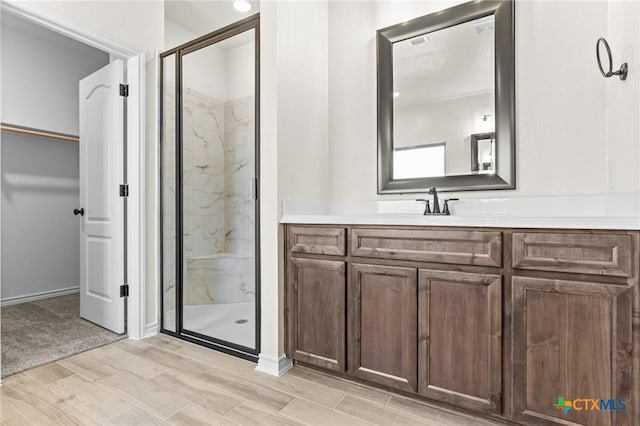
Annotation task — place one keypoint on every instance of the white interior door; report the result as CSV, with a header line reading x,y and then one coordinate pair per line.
x,y
101,173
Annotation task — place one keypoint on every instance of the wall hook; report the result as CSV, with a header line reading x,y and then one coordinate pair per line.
x,y
624,68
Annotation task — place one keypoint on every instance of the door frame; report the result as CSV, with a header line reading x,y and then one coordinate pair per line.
x,y
135,148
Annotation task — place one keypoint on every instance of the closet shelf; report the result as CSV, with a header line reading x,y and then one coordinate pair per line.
x,y
37,132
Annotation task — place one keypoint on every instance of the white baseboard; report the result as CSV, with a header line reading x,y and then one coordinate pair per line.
x,y
150,330
39,296
273,366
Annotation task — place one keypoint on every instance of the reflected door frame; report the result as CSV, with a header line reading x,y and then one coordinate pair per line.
x,y
252,22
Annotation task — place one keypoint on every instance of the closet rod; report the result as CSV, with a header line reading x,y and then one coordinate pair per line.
x,y
36,132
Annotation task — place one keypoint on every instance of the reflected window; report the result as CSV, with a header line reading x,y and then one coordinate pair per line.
x,y
419,161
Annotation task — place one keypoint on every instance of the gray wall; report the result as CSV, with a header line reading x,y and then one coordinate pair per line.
x,y
40,235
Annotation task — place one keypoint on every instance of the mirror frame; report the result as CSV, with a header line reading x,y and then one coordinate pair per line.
x,y
505,176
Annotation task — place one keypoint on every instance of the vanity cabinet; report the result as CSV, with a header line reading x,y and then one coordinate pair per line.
x,y
382,316
572,339
316,302
460,338
573,335
499,322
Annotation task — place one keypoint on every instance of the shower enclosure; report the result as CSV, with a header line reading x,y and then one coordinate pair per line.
x,y
209,190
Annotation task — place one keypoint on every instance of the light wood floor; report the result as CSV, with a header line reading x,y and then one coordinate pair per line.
x,y
162,380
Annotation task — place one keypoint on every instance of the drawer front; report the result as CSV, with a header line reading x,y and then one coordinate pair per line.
x,y
482,248
597,254
304,239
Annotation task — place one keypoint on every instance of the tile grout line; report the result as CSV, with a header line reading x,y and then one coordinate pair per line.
x,y
267,385
138,403
341,399
325,408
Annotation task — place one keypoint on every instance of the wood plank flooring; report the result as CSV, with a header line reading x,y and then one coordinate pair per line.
x,y
165,381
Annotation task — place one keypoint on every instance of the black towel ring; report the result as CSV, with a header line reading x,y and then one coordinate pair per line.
x,y
624,68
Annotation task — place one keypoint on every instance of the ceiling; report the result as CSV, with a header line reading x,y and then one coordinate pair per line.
x,y
202,17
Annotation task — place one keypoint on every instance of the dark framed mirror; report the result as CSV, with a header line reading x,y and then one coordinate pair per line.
x,y
445,82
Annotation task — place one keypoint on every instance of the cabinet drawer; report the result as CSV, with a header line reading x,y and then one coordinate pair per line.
x,y
460,247
303,239
597,254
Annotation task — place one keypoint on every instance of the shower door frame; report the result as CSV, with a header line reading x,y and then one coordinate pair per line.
x,y
252,22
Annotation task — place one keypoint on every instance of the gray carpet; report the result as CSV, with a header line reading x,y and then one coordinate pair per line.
x,y
43,331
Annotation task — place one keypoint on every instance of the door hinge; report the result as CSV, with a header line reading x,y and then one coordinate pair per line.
x,y
124,190
124,290
124,90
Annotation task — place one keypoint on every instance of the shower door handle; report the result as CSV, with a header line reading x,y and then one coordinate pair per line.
x,y
79,211
256,188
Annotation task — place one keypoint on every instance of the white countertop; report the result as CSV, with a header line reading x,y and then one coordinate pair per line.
x,y
620,212
622,223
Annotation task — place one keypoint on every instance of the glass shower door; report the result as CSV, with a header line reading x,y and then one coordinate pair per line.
x,y
218,190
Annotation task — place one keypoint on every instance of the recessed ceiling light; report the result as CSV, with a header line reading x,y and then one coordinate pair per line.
x,y
418,40
242,5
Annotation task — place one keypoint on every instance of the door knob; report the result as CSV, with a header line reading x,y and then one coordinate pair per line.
x,y
78,212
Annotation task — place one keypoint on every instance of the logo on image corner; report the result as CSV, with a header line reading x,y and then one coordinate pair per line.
x,y
563,405
589,404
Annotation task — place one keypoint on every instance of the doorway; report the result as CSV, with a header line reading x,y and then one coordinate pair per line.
x,y
41,159
209,190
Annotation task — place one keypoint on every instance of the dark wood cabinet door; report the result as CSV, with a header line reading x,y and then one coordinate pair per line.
x,y
571,340
460,339
316,298
382,317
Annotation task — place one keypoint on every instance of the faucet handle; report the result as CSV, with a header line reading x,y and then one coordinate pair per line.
x,y
427,207
445,210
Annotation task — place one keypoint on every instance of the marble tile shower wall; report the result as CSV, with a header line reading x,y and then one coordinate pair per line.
x,y
203,179
219,216
239,173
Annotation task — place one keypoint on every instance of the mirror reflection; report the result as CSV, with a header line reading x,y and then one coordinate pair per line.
x,y
443,96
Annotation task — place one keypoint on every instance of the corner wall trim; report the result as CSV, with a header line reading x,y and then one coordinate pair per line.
x,y
273,366
39,296
150,330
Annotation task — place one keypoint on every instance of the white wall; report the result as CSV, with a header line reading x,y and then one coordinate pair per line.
x,y
303,140
175,34
293,137
623,99
219,72
136,24
240,74
571,123
204,71
41,71
40,75
271,287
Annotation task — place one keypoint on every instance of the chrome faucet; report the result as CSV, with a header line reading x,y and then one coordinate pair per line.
x,y
436,204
